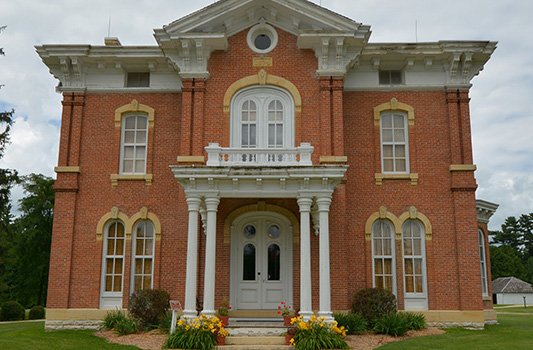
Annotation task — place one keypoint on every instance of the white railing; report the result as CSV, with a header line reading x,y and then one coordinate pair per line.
x,y
259,157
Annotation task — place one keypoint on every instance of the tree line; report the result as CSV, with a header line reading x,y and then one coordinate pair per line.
x,y
25,239
511,248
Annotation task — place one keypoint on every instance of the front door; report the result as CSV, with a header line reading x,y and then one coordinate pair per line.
x,y
262,262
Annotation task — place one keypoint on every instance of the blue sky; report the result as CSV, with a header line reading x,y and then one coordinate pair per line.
x,y
501,108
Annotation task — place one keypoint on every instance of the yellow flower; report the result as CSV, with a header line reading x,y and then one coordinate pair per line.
x,y
291,341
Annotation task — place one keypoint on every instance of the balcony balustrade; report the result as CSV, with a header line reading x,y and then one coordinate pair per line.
x,y
259,157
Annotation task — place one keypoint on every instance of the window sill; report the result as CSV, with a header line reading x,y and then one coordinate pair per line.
x,y
413,177
147,178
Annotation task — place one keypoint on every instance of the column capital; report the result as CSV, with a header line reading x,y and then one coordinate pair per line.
x,y
305,203
193,203
323,203
211,203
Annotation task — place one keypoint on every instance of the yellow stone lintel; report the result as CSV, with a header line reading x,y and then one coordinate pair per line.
x,y
191,159
115,178
463,167
333,159
67,169
262,62
412,176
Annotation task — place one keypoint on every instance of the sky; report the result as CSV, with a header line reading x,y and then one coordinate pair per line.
x,y
501,106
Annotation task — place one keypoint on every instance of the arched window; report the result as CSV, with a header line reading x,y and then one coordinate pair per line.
x,y
383,262
113,265
262,117
134,139
483,263
394,142
143,256
414,265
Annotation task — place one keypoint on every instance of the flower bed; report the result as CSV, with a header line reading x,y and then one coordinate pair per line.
x,y
197,333
318,333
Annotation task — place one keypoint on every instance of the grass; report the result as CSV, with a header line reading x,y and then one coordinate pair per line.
x,y
518,309
512,332
31,335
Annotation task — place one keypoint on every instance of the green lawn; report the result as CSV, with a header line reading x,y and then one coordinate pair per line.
x,y
520,309
513,332
31,335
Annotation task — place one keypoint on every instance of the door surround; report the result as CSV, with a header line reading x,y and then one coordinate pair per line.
x,y
236,251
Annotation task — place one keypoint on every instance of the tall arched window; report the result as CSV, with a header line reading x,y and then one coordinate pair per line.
x,y
394,142
483,263
414,265
113,265
383,261
262,117
134,139
143,256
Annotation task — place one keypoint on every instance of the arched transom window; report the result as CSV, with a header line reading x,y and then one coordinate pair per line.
x,y
262,118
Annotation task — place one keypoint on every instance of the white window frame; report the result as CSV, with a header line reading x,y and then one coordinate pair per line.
x,y
394,143
383,257
262,96
420,298
134,256
134,144
110,299
483,263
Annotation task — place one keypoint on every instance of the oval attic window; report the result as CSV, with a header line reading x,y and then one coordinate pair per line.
x,y
262,38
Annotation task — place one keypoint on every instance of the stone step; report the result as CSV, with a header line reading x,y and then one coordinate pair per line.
x,y
254,347
255,323
256,331
258,340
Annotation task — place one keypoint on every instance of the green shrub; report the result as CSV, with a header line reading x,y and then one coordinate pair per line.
x,y
126,326
148,306
354,323
373,304
391,324
415,321
36,313
112,318
12,311
166,321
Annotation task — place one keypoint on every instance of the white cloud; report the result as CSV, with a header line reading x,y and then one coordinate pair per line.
x,y
501,109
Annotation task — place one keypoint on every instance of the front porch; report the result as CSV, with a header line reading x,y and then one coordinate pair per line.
x,y
257,288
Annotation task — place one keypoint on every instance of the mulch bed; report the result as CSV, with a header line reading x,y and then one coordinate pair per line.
x,y
155,339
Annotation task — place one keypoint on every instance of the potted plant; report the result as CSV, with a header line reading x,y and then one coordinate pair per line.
x,y
222,333
223,312
291,331
286,312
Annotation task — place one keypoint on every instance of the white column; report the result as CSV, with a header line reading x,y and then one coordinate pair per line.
x,y
306,308
189,311
325,291
211,204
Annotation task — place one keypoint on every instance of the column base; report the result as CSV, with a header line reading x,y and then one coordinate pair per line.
x,y
189,314
208,312
306,314
327,315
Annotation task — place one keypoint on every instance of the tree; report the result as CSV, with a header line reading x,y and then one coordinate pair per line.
x,y
8,178
505,262
32,240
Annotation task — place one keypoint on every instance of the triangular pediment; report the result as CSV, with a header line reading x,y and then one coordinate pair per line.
x,y
231,16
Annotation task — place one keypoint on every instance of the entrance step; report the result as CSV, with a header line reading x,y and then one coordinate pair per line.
x,y
254,347
258,331
240,340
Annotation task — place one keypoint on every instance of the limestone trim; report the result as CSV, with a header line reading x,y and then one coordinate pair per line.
x,y
144,214
191,159
262,206
394,105
333,159
463,167
262,78
379,177
414,214
114,214
67,169
383,213
134,106
115,178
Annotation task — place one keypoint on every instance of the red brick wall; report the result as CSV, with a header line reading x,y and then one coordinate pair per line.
x,y
336,123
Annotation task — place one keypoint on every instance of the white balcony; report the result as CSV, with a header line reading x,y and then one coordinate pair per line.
x,y
259,157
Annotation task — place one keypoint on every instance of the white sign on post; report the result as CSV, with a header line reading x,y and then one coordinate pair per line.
x,y
175,306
